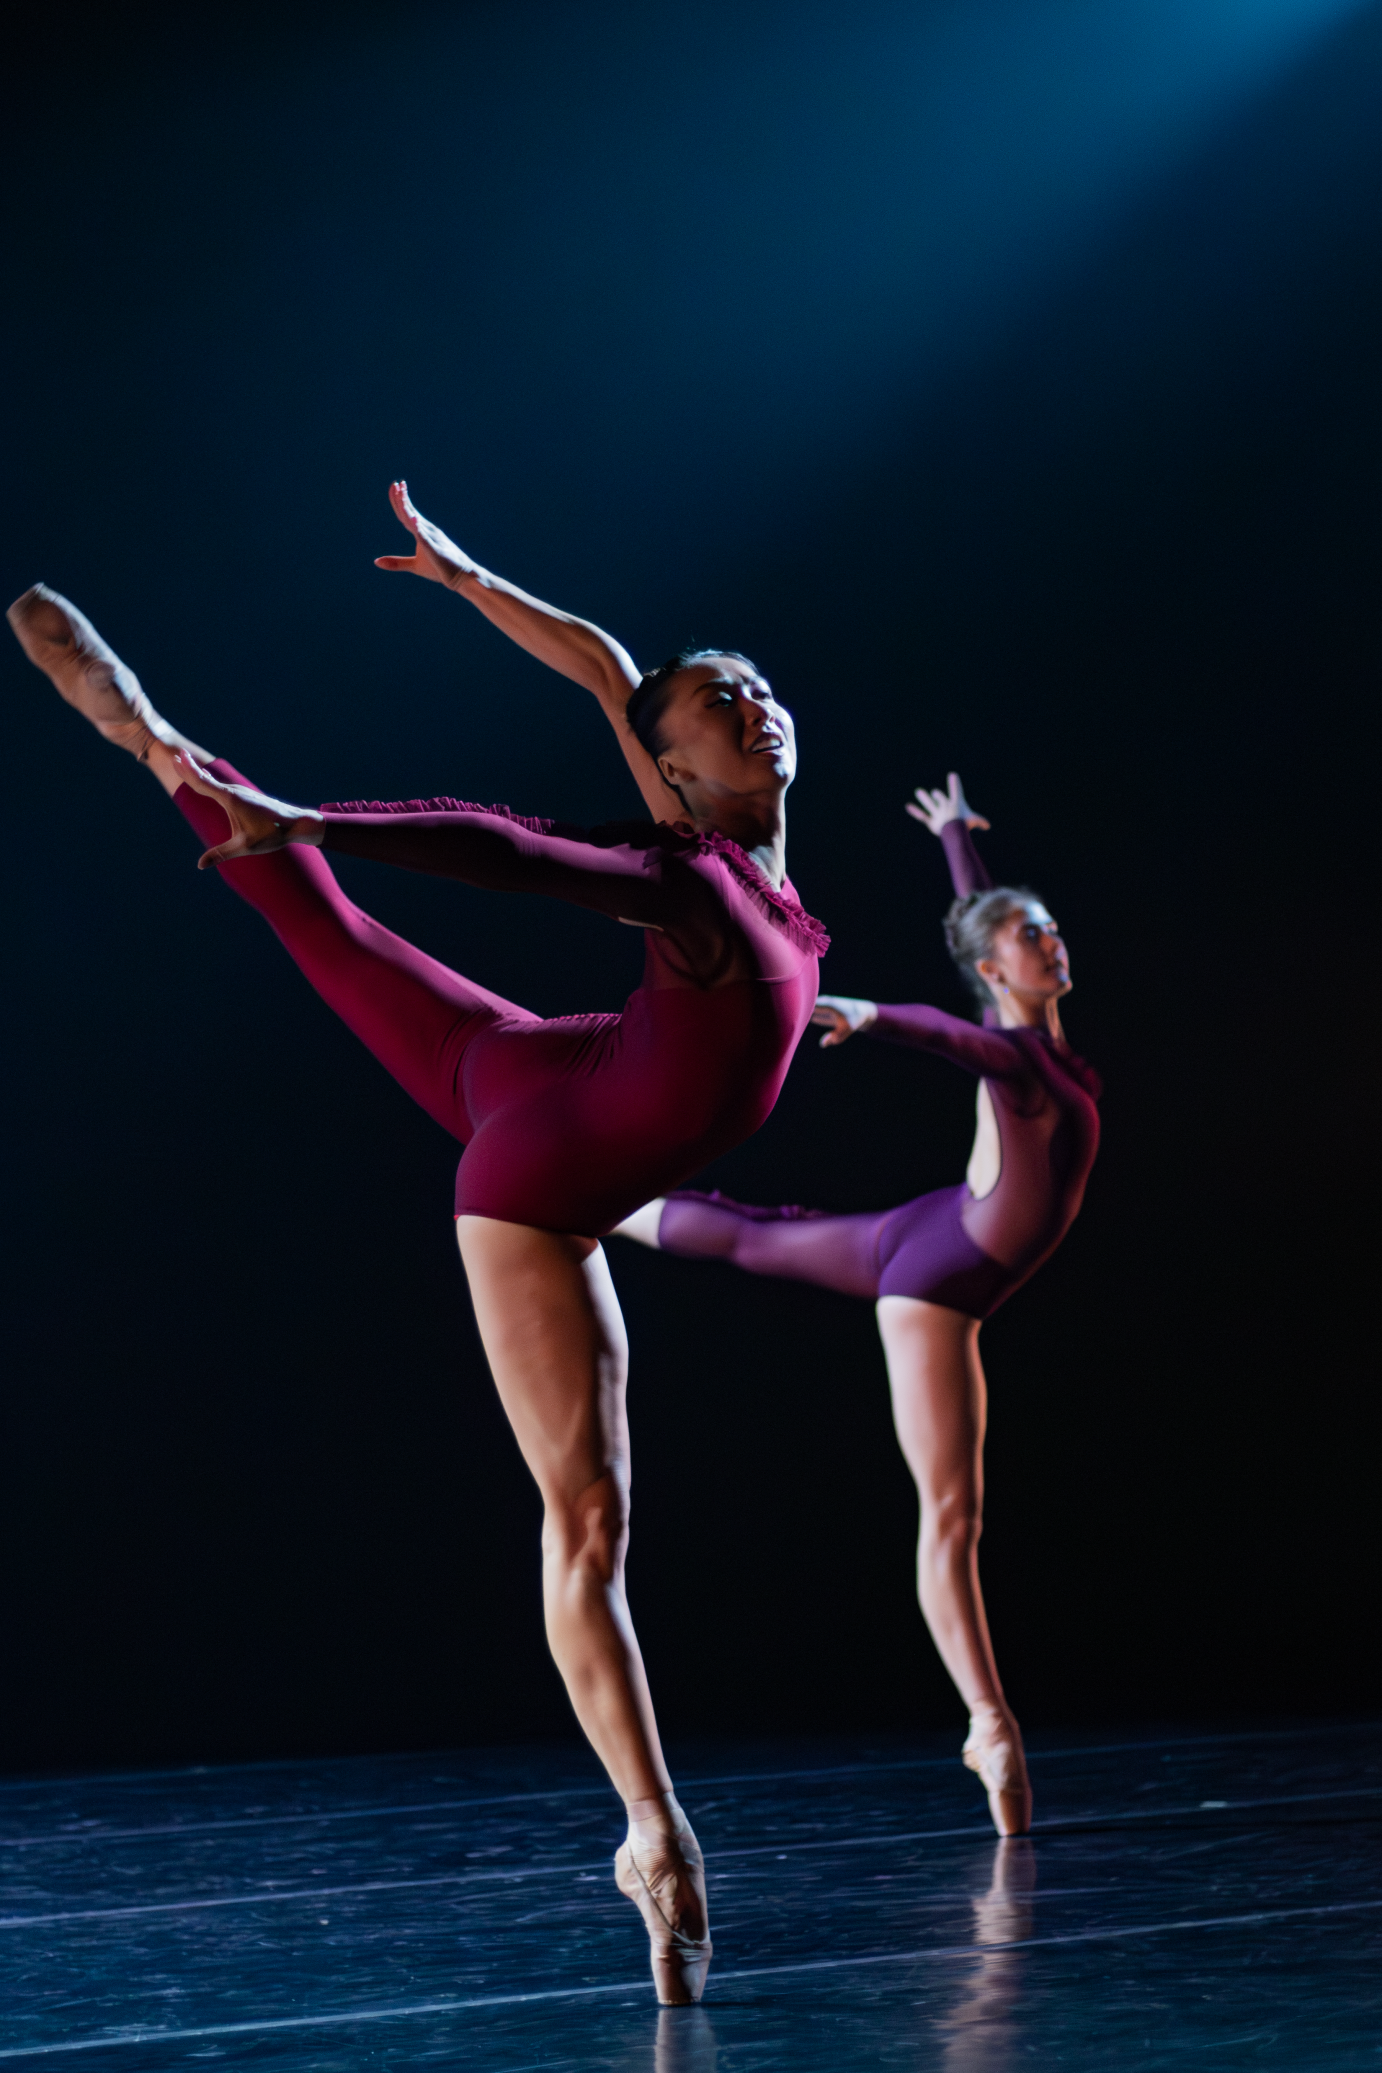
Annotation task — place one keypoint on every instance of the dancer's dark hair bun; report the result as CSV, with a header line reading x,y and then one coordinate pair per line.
x,y
971,925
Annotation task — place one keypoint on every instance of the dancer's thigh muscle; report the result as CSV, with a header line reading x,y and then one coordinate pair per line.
x,y
554,1337
940,1402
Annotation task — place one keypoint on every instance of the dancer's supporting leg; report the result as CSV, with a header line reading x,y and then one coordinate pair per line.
x,y
940,1410
547,1310
555,1339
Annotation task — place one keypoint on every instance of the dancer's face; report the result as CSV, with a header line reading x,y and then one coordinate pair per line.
x,y
726,737
1028,960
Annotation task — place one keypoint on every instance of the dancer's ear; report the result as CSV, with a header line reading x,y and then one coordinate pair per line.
x,y
674,776
991,973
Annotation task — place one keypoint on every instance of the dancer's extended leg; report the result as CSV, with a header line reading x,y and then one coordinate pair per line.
x,y
555,1339
414,1014
839,1252
940,1409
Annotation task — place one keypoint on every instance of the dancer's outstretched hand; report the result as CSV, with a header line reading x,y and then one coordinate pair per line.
x,y
258,823
438,559
840,1017
935,810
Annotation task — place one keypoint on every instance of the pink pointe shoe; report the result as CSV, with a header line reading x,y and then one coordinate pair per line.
x,y
63,643
993,1751
661,1870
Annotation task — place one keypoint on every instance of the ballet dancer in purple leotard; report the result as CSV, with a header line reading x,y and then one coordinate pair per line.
x,y
571,1122
939,1265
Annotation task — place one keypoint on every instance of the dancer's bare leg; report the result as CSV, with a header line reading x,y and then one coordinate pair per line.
x,y
554,1336
940,1410
551,1328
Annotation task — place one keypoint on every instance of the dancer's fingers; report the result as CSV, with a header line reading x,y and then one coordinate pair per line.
x,y
244,844
194,775
395,561
918,815
404,508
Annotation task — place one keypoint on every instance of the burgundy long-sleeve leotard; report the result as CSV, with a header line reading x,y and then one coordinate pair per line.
x,y
950,1246
569,1123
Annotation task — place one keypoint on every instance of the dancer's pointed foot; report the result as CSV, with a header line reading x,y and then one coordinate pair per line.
x,y
258,824
661,1870
993,1750
63,643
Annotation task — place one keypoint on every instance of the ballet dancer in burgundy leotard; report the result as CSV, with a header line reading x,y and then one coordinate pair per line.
x,y
940,1264
570,1123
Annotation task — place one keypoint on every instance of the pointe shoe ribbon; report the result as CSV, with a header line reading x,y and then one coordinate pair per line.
x,y
87,672
670,1884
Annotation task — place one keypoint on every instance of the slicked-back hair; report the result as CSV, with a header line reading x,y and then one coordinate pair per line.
x,y
971,925
648,702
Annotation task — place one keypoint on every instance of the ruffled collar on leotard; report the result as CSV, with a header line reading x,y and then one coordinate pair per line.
x,y
782,906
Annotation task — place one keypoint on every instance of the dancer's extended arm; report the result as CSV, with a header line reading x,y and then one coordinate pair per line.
x,y
984,1051
574,647
949,815
977,1050
489,847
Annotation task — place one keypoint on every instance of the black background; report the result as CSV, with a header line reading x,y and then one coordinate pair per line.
x,y
1013,420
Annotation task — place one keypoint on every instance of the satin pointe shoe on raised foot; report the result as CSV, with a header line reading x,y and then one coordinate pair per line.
x,y
993,1751
661,1870
87,672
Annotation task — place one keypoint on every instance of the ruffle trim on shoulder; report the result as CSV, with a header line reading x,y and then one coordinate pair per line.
x,y
803,928
531,821
663,838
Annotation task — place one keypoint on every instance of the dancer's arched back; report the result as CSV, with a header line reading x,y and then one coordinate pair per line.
x,y
568,1123
938,1265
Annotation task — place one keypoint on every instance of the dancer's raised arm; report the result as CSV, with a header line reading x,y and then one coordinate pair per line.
x,y
574,647
950,816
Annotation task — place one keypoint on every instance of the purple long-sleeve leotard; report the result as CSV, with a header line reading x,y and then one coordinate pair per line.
x,y
952,1247
569,1123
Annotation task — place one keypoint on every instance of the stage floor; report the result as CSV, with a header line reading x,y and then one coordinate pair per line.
x,y
1187,1900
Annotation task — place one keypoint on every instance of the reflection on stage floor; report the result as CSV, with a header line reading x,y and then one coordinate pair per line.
x,y
1188,1899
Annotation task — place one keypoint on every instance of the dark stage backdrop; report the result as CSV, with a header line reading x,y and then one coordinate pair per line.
x,y
1005,380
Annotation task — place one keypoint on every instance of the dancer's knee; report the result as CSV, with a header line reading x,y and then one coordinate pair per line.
x,y
952,1522
586,1536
